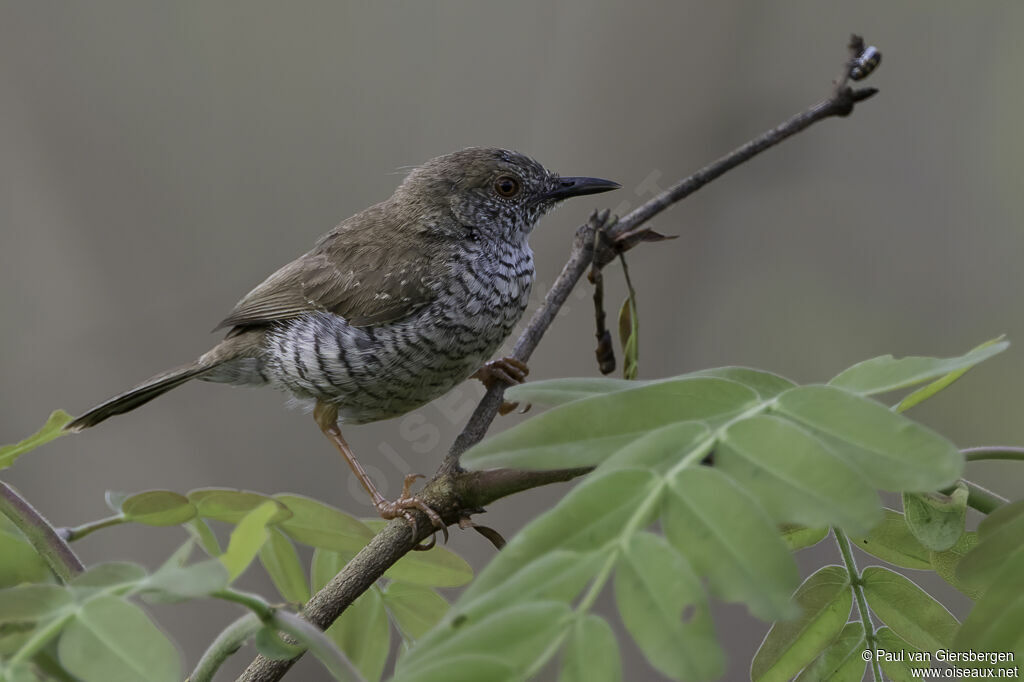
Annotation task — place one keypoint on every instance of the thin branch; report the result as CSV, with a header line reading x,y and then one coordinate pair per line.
x,y
982,499
79,532
994,452
40,533
227,642
451,488
857,584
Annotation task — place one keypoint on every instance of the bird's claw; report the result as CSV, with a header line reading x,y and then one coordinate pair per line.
x,y
403,507
508,371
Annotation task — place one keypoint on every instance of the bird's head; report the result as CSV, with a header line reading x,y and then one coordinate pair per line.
x,y
495,193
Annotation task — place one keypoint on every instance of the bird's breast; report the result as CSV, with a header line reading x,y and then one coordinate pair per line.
x,y
381,371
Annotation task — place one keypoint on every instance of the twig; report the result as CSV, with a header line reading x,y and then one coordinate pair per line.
x,y
451,488
51,546
1007,452
857,585
79,532
227,642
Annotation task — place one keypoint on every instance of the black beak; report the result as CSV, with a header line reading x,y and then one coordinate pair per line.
x,y
577,187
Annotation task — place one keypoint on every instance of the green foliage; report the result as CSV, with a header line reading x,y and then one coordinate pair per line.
x,y
53,428
824,600
787,461
247,539
281,561
892,541
911,612
886,373
705,484
158,508
937,519
996,568
364,634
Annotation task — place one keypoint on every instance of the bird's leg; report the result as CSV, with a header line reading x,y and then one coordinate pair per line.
x,y
508,371
326,416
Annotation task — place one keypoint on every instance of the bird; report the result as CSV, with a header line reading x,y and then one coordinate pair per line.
x,y
393,307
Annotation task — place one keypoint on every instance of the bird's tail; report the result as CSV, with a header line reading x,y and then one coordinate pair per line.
x,y
140,395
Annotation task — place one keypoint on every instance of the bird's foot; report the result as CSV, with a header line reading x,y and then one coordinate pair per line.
x,y
403,507
508,371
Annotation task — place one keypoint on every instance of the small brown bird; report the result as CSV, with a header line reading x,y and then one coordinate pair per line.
x,y
394,306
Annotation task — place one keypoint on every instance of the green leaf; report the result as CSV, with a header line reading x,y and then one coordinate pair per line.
x,y
112,640
225,504
660,448
21,671
114,574
765,384
996,623
363,633
797,537
515,637
893,452
269,643
628,337
910,611
19,561
1000,535
842,661
554,392
900,657
592,652
114,500
728,538
32,603
922,394
795,477
158,508
325,565
937,520
892,541
886,373
945,563
320,525
593,513
247,538
585,432
437,567
200,531
414,608
824,599
53,428
663,606
461,667
282,564
557,575
171,582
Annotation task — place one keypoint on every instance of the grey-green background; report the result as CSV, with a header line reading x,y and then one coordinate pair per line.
x,y
158,159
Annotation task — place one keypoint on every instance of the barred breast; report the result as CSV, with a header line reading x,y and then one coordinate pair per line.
x,y
378,372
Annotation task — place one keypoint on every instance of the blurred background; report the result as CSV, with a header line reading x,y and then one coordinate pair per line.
x,y
159,159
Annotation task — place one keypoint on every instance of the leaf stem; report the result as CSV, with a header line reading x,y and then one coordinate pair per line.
x,y
40,533
254,602
39,639
79,532
227,642
857,583
980,498
320,644
994,452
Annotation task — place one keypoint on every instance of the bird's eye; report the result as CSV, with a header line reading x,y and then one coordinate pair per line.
x,y
507,186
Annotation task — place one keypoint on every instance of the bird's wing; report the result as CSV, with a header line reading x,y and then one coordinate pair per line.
x,y
351,272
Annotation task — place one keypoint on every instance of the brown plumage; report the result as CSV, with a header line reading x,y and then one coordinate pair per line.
x,y
392,307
